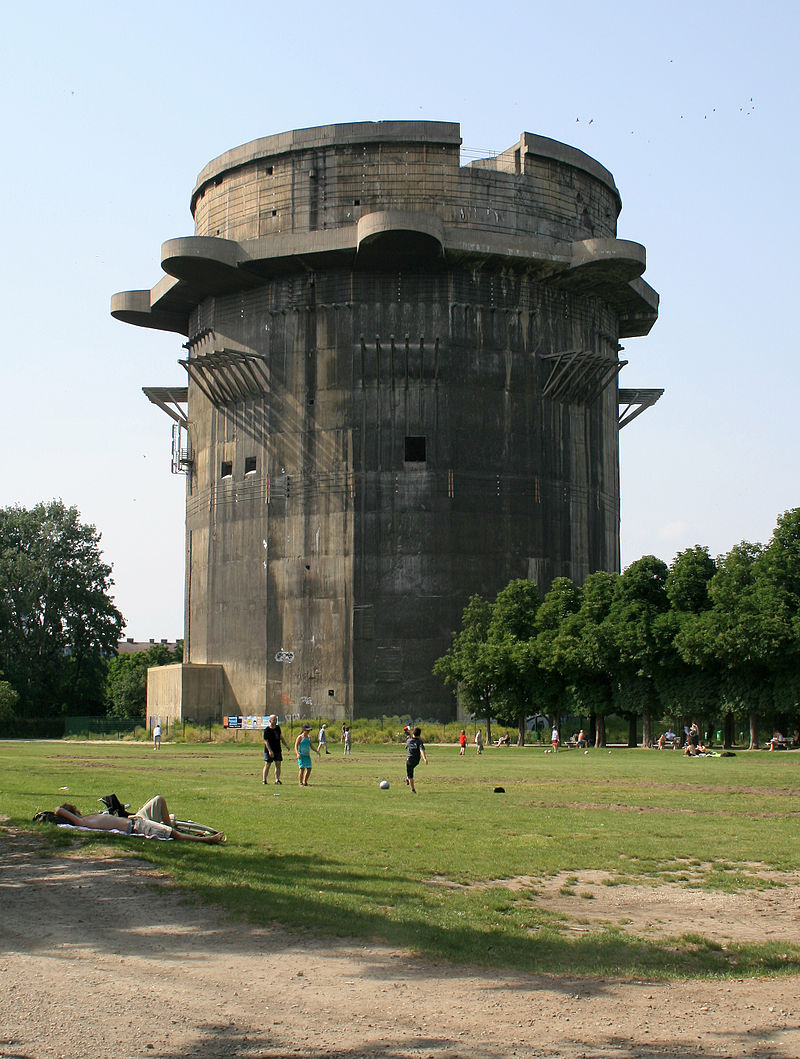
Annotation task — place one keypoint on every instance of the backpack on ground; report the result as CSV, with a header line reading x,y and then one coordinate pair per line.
x,y
114,806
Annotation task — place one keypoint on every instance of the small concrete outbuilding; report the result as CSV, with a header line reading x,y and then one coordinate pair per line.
x,y
401,389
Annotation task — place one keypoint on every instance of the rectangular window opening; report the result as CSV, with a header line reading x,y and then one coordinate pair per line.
x,y
226,470
249,465
415,450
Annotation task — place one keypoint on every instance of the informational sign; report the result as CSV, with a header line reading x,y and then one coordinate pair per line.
x,y
248,724
284,656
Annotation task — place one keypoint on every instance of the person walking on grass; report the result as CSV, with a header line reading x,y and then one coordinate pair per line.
x,y
347,742
462,742
273,737
303,748
322,739
157,737
479,741
415,749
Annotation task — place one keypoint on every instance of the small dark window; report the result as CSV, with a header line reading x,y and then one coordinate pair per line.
x,y
226,470
269,170
415,450
274,213
330,692
356,202
249,464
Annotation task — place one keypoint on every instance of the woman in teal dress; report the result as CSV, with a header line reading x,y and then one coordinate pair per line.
x,y
303,748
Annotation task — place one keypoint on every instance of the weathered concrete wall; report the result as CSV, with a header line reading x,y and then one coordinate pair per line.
x,y
275,186
186,692
369,556
402,391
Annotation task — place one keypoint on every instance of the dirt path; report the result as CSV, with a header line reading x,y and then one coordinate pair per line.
x,y
100,957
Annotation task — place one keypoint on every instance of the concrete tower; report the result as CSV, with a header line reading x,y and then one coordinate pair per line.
x,y
402,389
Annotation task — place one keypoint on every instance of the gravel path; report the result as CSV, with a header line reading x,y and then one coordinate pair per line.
x,y
100,957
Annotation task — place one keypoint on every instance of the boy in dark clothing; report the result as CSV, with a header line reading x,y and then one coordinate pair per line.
x,y
415,749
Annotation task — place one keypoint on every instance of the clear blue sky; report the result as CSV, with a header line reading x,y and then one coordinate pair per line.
x,y
110,111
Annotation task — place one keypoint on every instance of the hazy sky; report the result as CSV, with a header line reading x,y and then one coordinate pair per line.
x,y
110,111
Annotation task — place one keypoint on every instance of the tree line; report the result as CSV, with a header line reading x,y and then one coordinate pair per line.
x,y
715,640
712,640
59,626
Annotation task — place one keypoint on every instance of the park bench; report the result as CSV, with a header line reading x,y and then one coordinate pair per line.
x,y
671,744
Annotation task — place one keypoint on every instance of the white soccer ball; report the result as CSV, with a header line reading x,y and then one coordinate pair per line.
x,y
384,785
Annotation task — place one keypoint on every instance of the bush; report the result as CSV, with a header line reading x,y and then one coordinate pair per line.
x,y
8,705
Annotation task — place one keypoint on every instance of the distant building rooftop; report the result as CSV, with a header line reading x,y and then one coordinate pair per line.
x,y
130,646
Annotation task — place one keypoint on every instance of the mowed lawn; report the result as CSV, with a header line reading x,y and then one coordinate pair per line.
x,y
346,858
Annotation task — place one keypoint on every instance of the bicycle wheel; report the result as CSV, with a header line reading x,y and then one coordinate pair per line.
x,y
191,827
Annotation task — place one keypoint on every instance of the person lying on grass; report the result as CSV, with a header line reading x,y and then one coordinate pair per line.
x,y
153,820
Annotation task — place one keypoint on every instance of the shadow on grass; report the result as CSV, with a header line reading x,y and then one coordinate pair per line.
x,y
310,896
324,898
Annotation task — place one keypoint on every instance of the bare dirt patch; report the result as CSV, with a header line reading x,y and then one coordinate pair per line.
x,y
100,956
767,908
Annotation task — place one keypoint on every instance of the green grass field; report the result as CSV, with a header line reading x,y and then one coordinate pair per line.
x,y
346,858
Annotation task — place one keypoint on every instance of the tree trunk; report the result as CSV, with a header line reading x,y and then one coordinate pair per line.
x,y
753,731
521,731
632,727
647,729
727,731
600,737
592,727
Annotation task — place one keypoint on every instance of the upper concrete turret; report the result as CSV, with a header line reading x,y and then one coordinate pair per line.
x,y
394,193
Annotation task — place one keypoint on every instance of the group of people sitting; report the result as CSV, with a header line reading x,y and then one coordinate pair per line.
x,y
783,742
694,746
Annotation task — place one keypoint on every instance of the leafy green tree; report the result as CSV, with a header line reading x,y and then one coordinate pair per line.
x,y
742,634
491,659
520,682
778,577
8,704
465,666
586,646
642,634
688,580
689,690
666,643
58,622
555,643
127,679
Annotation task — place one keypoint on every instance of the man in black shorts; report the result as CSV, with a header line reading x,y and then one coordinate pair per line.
x,y
272,748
